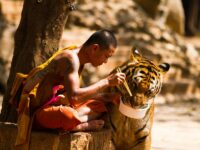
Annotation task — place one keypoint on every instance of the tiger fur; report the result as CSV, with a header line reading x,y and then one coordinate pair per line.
x,y
144,79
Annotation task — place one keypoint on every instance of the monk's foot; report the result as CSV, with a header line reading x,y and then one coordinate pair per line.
x,y
90,125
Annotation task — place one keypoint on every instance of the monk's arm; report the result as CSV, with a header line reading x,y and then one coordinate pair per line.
x,y
70,67
77,94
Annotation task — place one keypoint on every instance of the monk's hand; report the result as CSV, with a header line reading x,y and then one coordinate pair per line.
x,y
116,79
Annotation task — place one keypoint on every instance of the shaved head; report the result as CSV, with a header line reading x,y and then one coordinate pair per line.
x,y
104,38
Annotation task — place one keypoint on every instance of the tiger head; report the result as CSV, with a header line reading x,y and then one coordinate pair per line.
x,y
144,79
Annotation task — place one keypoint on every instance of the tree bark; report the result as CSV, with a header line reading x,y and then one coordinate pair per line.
x,y
36,39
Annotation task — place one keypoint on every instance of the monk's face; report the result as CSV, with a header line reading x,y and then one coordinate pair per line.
x,y
101,56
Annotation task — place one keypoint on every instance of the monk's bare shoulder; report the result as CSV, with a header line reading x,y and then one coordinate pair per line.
x,y
67,61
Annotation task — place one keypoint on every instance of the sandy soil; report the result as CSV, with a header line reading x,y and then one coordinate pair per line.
x,y
176,127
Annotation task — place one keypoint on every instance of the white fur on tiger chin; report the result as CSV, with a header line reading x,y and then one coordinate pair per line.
x,y
136,113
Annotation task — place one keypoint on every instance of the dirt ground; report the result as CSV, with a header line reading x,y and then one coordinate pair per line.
x,y
176,127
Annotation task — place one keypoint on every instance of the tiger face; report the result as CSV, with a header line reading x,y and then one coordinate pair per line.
x,y
144,79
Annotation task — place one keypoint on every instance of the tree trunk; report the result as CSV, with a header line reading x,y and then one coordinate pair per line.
x,y
36,39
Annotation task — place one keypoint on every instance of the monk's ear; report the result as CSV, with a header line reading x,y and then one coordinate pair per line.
x,y
135,55
95,47
164,67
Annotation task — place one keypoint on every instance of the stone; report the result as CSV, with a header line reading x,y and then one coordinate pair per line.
x,y
155,32
175,18
43,140
168,12
191,52
178,87
167,37
12,10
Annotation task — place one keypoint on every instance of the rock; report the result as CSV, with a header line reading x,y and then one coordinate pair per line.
x,y
12,10
191,52
168,12
41,140
6,53
155,32
167,37
178,87
175,18
149,6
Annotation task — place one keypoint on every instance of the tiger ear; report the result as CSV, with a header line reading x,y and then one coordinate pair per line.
x,y
135,55
164,67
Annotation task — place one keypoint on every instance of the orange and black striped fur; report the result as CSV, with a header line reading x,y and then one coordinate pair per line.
x,y
144,79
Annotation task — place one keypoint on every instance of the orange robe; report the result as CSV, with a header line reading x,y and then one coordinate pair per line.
x,y
29,105
55,115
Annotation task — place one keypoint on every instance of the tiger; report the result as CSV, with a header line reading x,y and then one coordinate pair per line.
x,y
130,128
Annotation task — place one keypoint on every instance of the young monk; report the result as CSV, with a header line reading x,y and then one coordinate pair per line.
x,y
65,105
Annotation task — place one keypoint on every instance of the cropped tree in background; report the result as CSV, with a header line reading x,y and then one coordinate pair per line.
x,y
36,39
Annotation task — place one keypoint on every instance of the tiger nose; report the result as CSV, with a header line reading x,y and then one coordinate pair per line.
x,y
143,86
